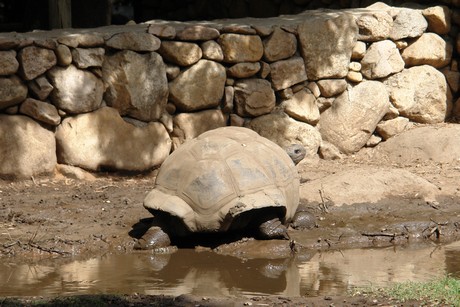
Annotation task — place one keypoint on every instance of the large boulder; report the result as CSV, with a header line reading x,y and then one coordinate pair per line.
x,y
350,187
326,45
103,140
429,143
133,91
27,149
354,115
284,131
421,94
199,87
75,90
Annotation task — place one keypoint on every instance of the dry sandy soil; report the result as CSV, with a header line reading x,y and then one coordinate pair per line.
x,y
61,216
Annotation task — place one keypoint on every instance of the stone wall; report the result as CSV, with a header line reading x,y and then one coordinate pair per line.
x,y
122,97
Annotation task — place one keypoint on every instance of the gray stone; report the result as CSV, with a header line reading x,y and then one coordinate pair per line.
x,y
199,87
144,100
279,45
35,61
381,60
254,97
103,140
28,149
326,45
8,63
241,48
286,73
75,90
408,24
421,94
354,115
285,131
41,111
135,41
88,57
12,91
180,53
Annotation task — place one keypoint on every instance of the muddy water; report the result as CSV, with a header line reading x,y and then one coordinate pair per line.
x,y
209,274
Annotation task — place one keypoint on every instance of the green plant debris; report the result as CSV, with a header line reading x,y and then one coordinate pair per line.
x,y
441,292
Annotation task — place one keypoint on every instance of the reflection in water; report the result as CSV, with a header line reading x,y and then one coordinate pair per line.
x,y
210,274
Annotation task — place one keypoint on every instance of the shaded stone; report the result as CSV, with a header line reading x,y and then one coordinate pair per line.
x,y
199,87
8,63
238,29
41,111
75,90
332,87
141,100
12,91
381,60
279,46
354,115
243,70
302,106
326,45
82,40
408,23
172,71
241,48
429,49
27,148
420,93
285,131
212,51
162,31
264,70
88,57
439,20
197,33
286,73
63,55
254,97
192,125
74,172
103,140
135,41
35,61
359,50
180,53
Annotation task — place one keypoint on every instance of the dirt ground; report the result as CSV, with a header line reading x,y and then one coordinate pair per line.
x,y
61,217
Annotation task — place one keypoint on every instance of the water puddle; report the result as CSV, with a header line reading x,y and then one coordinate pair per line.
x,y
209,274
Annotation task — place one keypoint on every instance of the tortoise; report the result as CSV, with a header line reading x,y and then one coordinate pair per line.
x,y
226,179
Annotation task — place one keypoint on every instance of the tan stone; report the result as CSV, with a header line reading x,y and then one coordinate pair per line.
x,y
389,128
331,87
429,49
241,48
197,33
88,57
254,97
41,111
12,91
103,140
381,60
279,45
31,149
438,18
302,106
408,24
135,41
354,76
41,87
286,73
194,124
63,55
180,53
243,70
162,31
212,51
359,50
374,26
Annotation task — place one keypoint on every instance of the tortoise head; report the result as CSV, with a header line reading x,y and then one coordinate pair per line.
x,y
297,152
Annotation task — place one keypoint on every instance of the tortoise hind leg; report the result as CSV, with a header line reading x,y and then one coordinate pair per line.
x,y
273,229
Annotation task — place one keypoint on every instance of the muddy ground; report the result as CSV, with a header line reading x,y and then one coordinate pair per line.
x,y
62,217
